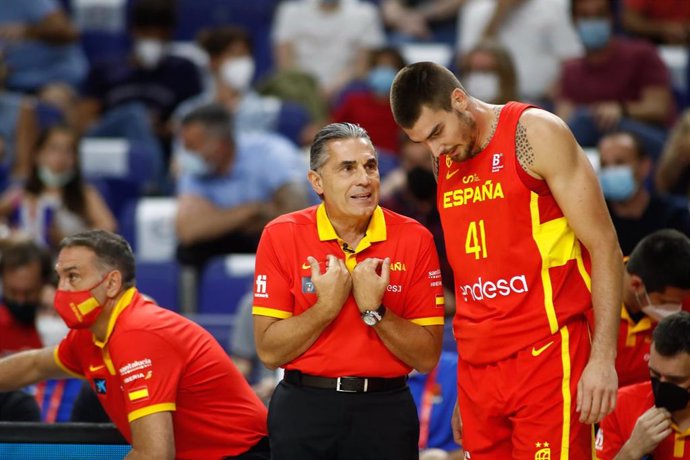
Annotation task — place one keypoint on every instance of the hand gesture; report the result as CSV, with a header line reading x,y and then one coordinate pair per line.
x,y
650,429
368,286
607,115
596,391
332,287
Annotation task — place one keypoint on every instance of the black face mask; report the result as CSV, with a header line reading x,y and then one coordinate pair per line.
x,y
23,312
669,396
422,183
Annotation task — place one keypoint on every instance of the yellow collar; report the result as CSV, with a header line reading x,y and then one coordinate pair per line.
x,y
376,231
123,303
644,324
680,434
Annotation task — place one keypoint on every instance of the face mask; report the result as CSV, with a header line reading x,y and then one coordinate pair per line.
x,y
617,182
51,329
149,52
380,80
594,33
421,183
78,309
669,396
23,312
658,312
238,72
191,163
53,179
482,85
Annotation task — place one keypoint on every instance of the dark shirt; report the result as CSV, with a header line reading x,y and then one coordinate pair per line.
x,y
119,81
17,406
663,211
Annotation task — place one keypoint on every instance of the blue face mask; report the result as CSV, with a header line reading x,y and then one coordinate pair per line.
x,y
594,33
191,163
380,80
617,182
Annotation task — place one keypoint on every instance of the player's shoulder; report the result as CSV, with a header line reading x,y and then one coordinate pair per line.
x,y
541,121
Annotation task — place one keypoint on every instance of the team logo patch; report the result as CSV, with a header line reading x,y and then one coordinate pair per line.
x,y
544,452
138,394
260,283
307,285
99,386
496,162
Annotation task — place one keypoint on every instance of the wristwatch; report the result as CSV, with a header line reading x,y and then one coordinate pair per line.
x,y
373,317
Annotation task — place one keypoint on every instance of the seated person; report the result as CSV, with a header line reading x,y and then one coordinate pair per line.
x,y
55,202
421,21
487,72
652,419
231,186
673,169
662,21
636,212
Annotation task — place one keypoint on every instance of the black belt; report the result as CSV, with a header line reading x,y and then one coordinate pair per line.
x,y
346,384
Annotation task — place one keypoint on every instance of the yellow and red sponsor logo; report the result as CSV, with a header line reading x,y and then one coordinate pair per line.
x,y
467,195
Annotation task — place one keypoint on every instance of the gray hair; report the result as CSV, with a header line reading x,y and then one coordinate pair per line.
x,y
318,154
215,118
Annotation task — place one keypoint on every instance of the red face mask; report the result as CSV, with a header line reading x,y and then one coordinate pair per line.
x,y
78,309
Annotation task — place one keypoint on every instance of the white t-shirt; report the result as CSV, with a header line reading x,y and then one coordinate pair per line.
x,y
327,42
538,34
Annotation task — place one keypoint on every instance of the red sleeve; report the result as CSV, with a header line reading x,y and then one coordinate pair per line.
x,y
66,355
149,369
272,285
610,439
424,302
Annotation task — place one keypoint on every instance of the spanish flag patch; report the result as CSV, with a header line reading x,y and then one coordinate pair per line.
x,y
138,393
440,301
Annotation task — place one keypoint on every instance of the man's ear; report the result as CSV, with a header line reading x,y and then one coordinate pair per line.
x,y
315,181
113,284
458,100
636,284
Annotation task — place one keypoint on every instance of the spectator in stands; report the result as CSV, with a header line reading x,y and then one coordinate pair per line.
x,y
18,406
662,21
232,72
538,34
636,212
620,84
231,186
655,282
39,45
488,72
327,39
55,202
652,419
370,107
25,272
673,169
136,94
421,21
163,380
435,394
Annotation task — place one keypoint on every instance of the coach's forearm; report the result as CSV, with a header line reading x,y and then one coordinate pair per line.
x,y
28,367
417,346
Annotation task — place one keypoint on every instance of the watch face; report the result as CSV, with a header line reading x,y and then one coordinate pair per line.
x,y
369,319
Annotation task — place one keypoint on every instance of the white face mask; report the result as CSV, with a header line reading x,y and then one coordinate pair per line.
x,y
660,311
53,179
51,328
238,72
482,85
149,52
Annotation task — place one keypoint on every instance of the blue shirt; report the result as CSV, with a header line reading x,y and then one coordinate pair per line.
x,y
33,63
263,163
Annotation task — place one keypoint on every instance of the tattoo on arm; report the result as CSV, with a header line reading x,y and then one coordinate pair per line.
x,y
434,167
523,149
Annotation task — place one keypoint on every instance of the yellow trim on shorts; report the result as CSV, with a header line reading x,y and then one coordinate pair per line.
x,y
565,388
433,321
144,411
272,312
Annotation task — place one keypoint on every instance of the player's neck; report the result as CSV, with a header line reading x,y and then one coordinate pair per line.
x,y
682,419
487,116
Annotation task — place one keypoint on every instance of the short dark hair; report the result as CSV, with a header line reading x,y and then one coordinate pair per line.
x,y
215,118
418,85
662,259
152,13
640,150
111,250
217,39
318,154
672,334
20,253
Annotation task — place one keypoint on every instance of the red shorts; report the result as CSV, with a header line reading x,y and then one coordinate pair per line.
x,y
523,407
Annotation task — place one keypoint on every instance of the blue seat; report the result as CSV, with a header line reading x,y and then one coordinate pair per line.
x,y
219,325
224,281
160,280
292,119
148,224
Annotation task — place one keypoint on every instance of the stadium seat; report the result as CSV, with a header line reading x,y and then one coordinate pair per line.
x,y
224,281
160,281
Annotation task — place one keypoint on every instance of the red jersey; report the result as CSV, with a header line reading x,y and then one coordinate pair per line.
x,y
634,340
520,272
616,428
348,347
15,336
154,360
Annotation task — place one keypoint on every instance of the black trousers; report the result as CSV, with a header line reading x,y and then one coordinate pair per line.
x,y
315,424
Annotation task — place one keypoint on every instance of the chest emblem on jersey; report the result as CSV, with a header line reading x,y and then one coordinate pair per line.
x,y
307,285
496,162
544,452
99,386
